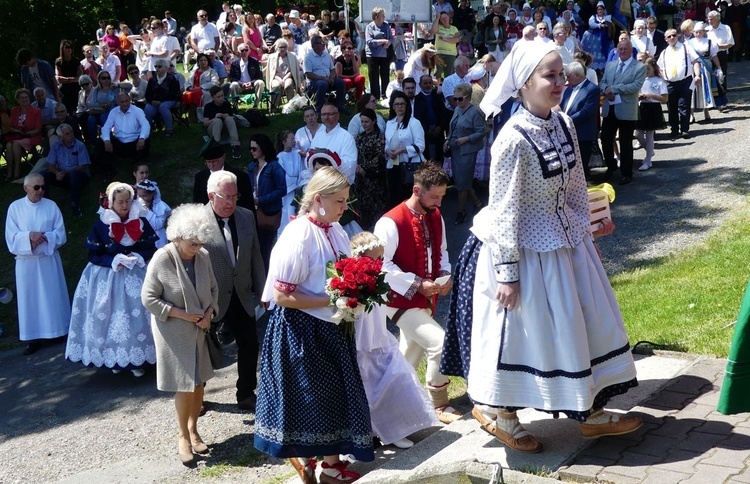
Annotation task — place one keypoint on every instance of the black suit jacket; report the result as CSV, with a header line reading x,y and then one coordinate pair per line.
x,y
200,195
659,42
438,106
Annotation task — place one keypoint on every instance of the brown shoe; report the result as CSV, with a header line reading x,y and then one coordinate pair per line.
x,y
615,426
184,450
447,414
521,440
306,471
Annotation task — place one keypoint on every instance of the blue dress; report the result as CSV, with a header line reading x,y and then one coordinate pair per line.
x,y
311,400
597,42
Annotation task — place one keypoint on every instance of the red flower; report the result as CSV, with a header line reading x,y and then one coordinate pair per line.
x,y
352,302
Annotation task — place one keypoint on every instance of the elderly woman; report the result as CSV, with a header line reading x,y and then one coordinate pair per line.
x,y
268,181
404,147
68,69
465,139
282,72
347,68
25,132
560,38
305,349
109,326
378,38
181,293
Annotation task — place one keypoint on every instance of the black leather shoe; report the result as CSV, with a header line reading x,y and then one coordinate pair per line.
x,y
686,135
31,348
625,180
248,403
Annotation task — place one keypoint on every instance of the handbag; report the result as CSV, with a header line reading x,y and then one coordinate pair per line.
x,y
268,222
214,348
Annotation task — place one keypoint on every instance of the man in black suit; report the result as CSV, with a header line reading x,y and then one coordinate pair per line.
x,y
214,156
656,36
245,76
580,101
429,109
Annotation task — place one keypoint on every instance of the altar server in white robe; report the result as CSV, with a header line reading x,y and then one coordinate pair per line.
x,y
34,230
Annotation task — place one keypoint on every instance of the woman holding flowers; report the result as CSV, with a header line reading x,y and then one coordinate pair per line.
x,y
310,395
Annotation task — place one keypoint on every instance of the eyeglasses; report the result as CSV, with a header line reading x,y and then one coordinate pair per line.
x,y
399,104
227,198
105,78
36,188
158,67
85,84
254,149
458,99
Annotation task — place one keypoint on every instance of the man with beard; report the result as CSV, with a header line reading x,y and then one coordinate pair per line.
x,y
415,258
429,109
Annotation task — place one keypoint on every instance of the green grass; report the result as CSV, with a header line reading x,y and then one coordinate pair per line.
x,y
248,458
689,300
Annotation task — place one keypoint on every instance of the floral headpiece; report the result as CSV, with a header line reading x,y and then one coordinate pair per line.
x,y
321,153
148,185
361,249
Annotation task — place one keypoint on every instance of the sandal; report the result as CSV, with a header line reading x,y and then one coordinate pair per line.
x,y
306,471
520,439
447,414
340,475
615,425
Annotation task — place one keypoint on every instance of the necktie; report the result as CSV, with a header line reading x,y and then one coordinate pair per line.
x,y
228,240
673,63
620,67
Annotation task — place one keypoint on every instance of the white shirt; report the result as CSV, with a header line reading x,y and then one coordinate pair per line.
x,y
204,37
643,44
355,125
449,86
679,55
110,64
341,142
653,85
128,126
721,35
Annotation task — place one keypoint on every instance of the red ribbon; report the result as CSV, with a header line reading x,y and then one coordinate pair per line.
x,y
133,228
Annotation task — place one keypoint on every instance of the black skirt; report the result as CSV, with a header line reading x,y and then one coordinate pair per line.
x,y
651,117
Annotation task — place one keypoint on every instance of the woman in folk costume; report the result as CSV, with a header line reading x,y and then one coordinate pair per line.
x,y
109,326
534,321
311,400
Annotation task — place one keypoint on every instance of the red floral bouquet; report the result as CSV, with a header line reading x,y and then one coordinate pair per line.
x,y
355,285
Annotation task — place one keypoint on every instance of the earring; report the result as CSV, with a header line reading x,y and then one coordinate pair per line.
x,y
322,211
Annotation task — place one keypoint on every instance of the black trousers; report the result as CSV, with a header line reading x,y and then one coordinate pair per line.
x,y
610,126
243,328
679,102
379,74
723,57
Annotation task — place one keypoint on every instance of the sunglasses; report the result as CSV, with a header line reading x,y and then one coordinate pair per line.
x,y
202,16
85,84
458,99
254,149
36,188
103,78
671,36
244,50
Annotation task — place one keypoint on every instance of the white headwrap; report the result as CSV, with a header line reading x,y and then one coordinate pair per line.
x,y
513,73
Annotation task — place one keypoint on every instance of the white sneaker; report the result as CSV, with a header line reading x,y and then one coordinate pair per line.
x,y
636,145
644,167
139,372
403,444
116,371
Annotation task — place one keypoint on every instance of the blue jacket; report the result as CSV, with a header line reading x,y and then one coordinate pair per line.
x,y
584,111
271,185
46,75
253,70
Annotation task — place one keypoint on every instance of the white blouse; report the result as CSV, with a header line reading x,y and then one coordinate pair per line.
x,y
410,137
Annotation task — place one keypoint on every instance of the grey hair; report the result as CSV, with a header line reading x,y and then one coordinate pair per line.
x,y
463,90
84,79
32,176
640,22
63,127
313,31
39,89
461,60
377,11
220,177
559,27
161,62
575,68
116,188
713,13
325,181
188,221
280,42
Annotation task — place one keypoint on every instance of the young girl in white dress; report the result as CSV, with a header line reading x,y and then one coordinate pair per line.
x,y
653,93
291,161
399,405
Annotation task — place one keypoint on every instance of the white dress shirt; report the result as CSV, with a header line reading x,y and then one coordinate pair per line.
x,y
128,126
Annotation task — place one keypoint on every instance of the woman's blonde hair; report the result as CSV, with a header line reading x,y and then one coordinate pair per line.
x,y
325,181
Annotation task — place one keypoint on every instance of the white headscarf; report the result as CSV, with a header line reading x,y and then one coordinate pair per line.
x,y
513,73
